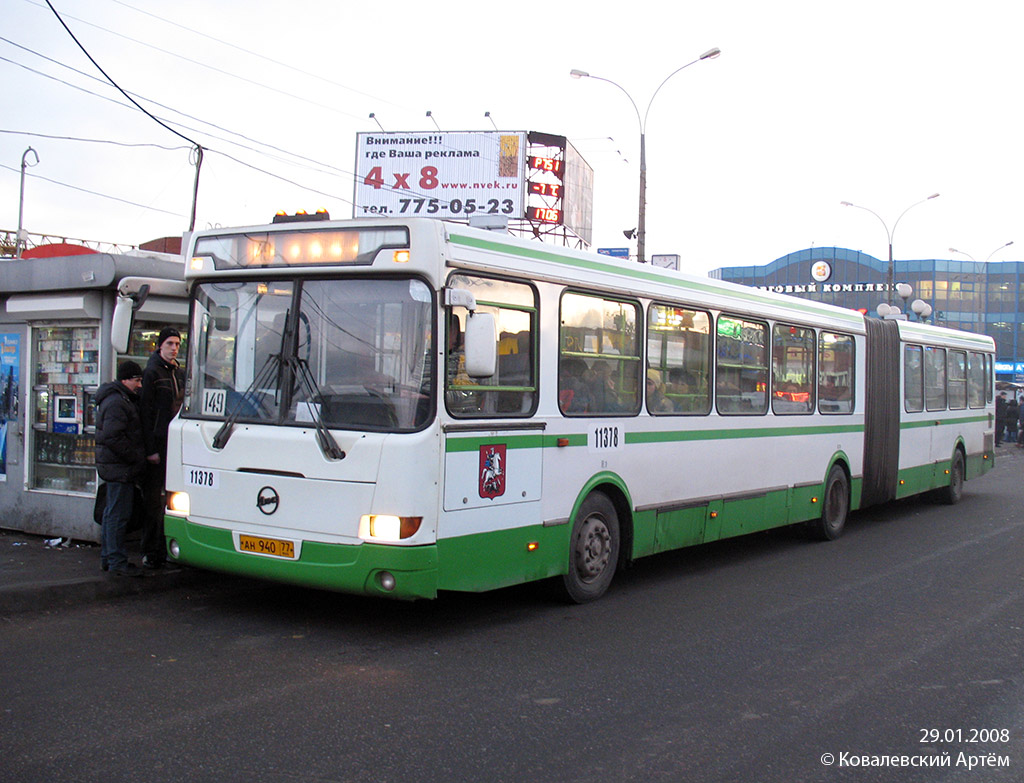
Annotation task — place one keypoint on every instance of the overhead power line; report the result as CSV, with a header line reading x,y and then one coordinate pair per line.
x,y
259,55
311,164
91,192
92,141
99,68
198,148
318,165
322,167
209,67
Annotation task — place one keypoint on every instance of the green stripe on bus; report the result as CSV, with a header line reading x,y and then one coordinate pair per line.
x,y
457,444
454,444
776,432
910,425
804,306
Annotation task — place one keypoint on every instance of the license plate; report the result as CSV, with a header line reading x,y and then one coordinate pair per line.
x,y
267,546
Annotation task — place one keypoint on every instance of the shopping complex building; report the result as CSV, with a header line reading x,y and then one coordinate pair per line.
x,y
977,297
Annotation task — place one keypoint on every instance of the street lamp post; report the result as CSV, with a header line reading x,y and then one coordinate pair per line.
x,y
987,258
889,234
961,252
21,197
641,224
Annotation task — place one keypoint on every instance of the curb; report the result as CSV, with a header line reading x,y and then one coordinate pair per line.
x,y
42,596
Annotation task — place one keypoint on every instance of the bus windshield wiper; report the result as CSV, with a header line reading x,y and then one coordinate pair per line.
x,y
270,366
328,445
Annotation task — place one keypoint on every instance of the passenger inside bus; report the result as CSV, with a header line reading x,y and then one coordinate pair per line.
x,y
601,385
657,402
573,393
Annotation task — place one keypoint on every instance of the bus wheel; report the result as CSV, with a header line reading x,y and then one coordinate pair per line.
x,y
951,494
593,549
834,508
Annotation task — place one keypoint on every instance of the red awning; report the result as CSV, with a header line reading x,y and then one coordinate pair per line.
x,y
57,250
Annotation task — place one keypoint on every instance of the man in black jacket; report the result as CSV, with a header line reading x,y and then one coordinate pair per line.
x,y
120,461
163,390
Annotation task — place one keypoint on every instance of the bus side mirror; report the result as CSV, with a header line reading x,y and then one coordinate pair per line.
x,y
481,345
124,317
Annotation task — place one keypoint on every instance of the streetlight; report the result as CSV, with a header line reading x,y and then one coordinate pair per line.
x,y
961,252
889,234
998,249
21,197
641,228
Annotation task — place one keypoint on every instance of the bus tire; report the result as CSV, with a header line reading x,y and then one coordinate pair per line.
x,y
593,549
951,494
835,506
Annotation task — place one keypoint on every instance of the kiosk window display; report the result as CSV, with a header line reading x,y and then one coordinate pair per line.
x,y
65,378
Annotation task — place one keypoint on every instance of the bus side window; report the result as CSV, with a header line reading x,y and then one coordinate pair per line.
x,y
956,379
835,373
678,360
512,390
934,378
599,356
792,369
913,379
741,377
976,380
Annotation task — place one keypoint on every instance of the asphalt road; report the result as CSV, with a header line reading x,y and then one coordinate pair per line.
x,y
747,660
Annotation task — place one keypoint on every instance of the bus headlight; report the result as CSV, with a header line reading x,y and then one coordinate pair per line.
x,y
388,527
178,503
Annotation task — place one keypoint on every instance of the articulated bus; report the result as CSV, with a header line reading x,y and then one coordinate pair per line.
x,y
401,407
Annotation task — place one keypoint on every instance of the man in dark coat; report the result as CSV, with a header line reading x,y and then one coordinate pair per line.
x,y
120,461
163,389
1000,417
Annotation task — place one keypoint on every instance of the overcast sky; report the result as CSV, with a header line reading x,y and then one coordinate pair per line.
x,y
878,102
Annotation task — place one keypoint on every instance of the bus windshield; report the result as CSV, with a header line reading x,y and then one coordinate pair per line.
x,y
347,353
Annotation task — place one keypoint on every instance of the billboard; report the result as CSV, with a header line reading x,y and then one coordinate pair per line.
x,y
448,175
578,201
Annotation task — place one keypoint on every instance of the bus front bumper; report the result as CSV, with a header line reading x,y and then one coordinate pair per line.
x,y
404,572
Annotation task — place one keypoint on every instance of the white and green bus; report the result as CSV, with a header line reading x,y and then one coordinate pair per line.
x,y
399,407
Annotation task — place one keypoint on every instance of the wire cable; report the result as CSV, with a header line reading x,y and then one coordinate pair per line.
x,y
90,192
311,74
214,68
115,84
92,141
325,168
214,151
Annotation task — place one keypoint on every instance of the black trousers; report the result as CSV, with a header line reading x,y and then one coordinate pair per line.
x,y
153,545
